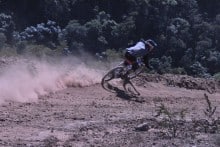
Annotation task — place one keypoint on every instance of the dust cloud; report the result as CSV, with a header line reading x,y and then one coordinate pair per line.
x,y
26,80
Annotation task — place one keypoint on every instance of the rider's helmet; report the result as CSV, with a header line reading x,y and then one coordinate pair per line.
x,y
151,42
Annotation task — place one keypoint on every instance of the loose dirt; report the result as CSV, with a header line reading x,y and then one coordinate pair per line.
x,y
47,104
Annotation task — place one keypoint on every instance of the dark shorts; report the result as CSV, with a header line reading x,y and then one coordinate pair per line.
x,y
130,57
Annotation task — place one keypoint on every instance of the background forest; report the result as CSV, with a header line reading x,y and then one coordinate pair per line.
x,y
187,31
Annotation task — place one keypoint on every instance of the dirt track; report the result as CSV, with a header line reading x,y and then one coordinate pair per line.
x,y
91,116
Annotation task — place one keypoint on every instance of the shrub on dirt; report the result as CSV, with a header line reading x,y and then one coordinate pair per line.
x,y
8,51
210,114
171,119
210,110
25,47
210,123
179,71
217,76
38,51
44,33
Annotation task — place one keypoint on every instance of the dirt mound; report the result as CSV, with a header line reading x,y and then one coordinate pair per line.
x,y
182,81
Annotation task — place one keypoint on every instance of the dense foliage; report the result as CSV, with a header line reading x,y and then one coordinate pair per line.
x,y
187,31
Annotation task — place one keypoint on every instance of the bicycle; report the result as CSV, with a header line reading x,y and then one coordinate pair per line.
x,y
124,72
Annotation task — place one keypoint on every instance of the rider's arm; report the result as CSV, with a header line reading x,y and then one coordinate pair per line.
x,y
150,47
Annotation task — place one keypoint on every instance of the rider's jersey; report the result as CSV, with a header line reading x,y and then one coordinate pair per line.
x,y
138,50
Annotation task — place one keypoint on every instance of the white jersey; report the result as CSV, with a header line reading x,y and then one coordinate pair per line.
x,y
138,50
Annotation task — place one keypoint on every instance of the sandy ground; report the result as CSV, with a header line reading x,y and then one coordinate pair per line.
x,y
78,112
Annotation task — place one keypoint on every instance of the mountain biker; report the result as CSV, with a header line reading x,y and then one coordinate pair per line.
x,y
140,49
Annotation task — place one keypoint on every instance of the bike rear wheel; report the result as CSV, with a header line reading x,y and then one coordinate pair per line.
x,y
112,74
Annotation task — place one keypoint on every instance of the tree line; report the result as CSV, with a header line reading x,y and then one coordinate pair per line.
x,y
187,31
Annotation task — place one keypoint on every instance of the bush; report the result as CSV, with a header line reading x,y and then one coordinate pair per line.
x,y
213,62
217,76
162,65
7,26
75,34
38,50
99,33
2,40
47,34
8,51
178,71
198,70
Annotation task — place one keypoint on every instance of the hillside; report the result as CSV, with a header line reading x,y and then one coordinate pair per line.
x,y
75,113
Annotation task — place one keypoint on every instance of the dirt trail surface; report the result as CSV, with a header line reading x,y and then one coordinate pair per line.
x,y
81,115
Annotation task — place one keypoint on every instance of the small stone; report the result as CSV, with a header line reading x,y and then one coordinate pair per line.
x,y
142,127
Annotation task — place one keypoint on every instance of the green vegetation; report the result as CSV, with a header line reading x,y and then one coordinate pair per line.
x,y
212,119
171,119
217,76
210,110
187,31
176,125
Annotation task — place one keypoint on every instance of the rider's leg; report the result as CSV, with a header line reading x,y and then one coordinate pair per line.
x,y
132,60
129,59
